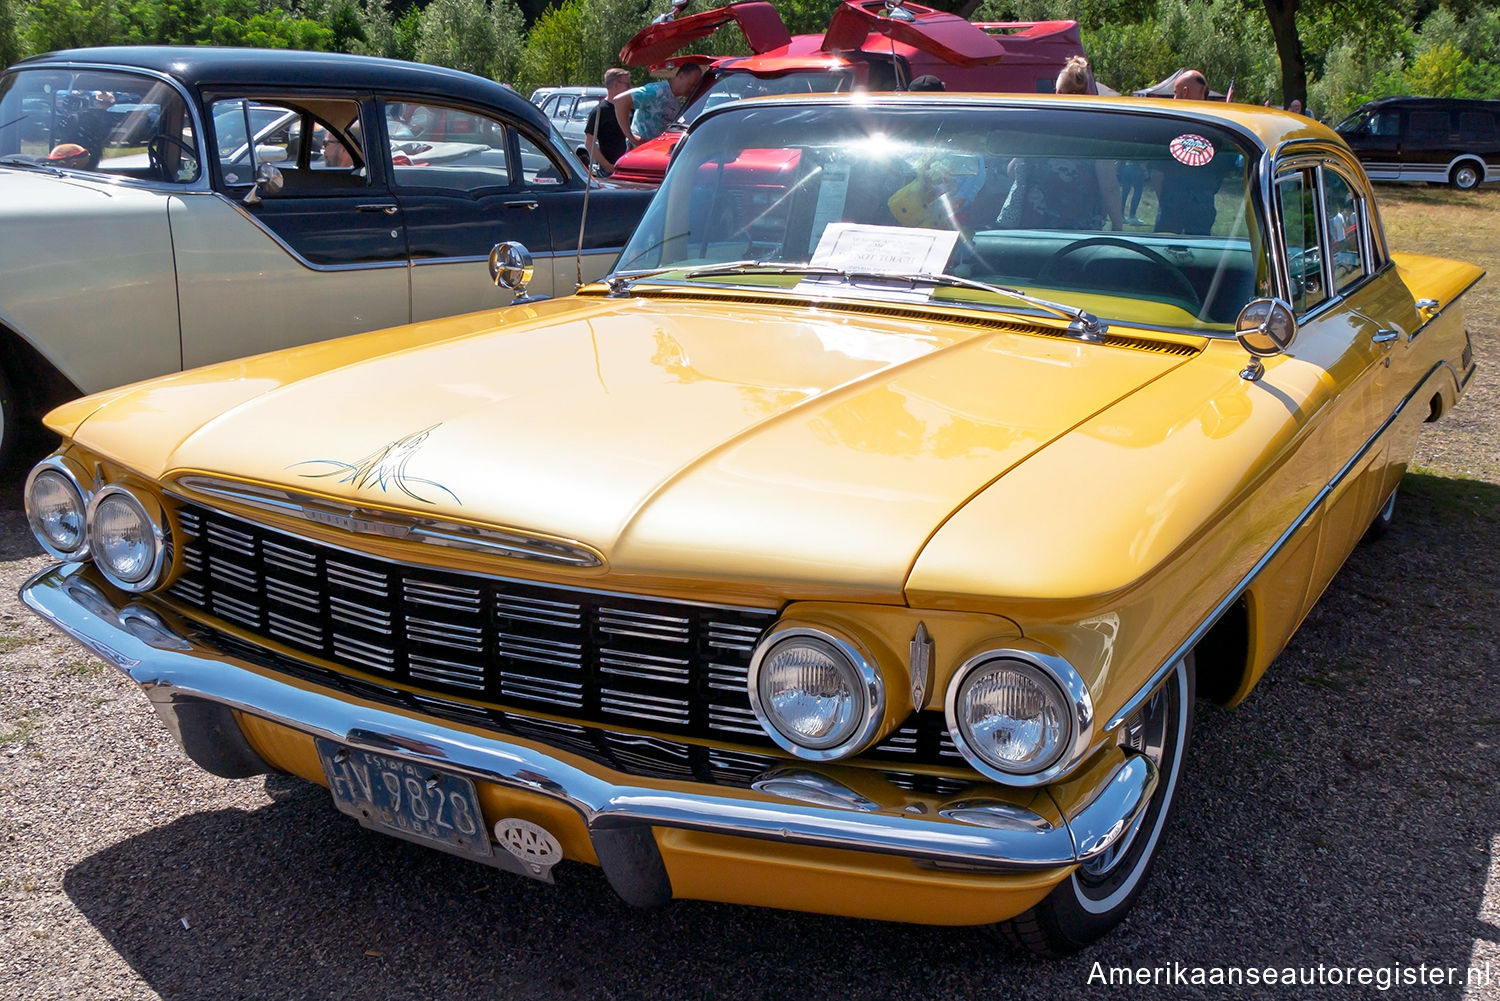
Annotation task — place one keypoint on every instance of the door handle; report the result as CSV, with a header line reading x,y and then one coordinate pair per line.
x,y
1385,335
522,203
386,207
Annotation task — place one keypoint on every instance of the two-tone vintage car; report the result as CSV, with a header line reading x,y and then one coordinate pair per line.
x,y
860,545
163,208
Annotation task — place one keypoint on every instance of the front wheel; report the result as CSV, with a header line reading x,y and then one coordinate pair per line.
x,y
1099,893
1465,176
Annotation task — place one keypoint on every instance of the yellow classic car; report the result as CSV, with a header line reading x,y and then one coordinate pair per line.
x,y
859,545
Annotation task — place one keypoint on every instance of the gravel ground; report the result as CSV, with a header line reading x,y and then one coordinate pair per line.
x,y
1347,815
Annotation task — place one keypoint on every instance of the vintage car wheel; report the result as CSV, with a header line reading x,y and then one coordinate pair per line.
x,y
1099,893
1183,284
1465,176
1383,519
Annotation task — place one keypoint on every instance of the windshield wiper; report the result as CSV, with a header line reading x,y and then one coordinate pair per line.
x,y
620,282
20,161
1081,323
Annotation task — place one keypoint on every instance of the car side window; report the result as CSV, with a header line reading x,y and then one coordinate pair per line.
x,y
1385,123
334,158
1298,203
443,147
1429,124
1476,126
1345,215
538,169
110,122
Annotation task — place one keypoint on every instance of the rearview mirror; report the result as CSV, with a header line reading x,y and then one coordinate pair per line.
x,y
1265,328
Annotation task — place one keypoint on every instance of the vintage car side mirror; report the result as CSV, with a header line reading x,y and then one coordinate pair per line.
x,y
511,267
1265,328
268,180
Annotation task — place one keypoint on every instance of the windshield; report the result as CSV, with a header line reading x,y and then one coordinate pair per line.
x,y
106,121
1021,197
732,85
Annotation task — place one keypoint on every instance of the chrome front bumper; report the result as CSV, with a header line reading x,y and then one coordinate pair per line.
x,y
192,686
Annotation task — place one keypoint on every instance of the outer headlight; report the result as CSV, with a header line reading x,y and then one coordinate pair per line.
x,y
817,695
1019,717
128,538
57,509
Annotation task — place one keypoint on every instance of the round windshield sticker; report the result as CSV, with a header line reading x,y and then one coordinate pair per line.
x,y
231,178
1192,150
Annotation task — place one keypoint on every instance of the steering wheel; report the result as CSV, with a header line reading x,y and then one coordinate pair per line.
x,y
1184,285
156,153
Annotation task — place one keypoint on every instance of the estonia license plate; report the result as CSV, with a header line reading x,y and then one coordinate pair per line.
x,y
406,799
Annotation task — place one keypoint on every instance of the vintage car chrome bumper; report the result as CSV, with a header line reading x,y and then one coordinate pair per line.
x,y
192,686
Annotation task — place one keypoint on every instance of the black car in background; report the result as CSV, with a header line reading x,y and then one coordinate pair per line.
x,y
1439,139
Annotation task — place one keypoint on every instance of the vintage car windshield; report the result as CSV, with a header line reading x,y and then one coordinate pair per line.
x,y
113,122
1023,191
734,85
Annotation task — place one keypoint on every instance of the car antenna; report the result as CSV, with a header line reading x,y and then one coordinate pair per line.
x,y
896,12
583,218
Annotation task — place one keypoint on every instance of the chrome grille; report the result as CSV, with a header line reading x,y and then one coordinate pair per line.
x,y
669,666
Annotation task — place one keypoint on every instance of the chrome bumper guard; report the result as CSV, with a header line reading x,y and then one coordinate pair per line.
x,y
191,684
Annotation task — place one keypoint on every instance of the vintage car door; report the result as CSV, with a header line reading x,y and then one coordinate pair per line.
x,y
258,267
1336,294
465,181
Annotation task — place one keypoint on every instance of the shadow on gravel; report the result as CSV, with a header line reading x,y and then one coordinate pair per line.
x,y
1342,817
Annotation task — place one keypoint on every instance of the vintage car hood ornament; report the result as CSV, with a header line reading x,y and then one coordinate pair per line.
x,y
654,431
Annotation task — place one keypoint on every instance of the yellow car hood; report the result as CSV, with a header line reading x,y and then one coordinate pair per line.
x,y
818,449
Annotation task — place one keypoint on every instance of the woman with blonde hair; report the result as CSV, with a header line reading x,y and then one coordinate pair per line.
x,y
1074,76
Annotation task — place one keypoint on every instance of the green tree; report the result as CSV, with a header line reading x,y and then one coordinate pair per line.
x,y
485,37
10,35
67,24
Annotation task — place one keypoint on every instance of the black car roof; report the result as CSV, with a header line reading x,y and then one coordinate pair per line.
x,y
204,66
1385,102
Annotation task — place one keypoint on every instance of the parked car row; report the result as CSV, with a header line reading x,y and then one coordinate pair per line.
x,y
860,544
137,212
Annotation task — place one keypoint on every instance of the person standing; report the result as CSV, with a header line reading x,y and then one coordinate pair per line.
x,y
645,112
601,134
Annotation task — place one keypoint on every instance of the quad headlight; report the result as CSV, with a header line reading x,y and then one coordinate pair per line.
x,y
57,510
128,538
1017,716
817,695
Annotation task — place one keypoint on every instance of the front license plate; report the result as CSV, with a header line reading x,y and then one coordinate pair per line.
x,y
406,799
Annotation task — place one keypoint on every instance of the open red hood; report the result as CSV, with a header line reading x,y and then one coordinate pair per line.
x,y
758,20
947,36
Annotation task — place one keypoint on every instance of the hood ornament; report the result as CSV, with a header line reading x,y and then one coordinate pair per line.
x,y
383,468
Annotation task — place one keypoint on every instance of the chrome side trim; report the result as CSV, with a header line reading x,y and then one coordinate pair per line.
x,y
175,678
1160,674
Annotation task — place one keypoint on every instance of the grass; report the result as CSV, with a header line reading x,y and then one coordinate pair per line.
x,y
1446,223
24,729
83,668
9,643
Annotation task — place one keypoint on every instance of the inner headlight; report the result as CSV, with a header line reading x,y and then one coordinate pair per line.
x,y
1011,715
817,695
57,510
128,542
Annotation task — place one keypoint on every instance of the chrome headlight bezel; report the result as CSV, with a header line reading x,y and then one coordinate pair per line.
x,y
1073,696
870,689
153,516
55,465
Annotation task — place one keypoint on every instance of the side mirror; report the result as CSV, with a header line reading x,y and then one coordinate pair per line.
x,y
268,180
511,267
1265,328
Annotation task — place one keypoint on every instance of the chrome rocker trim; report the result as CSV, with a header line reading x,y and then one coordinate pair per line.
x,y
190,683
